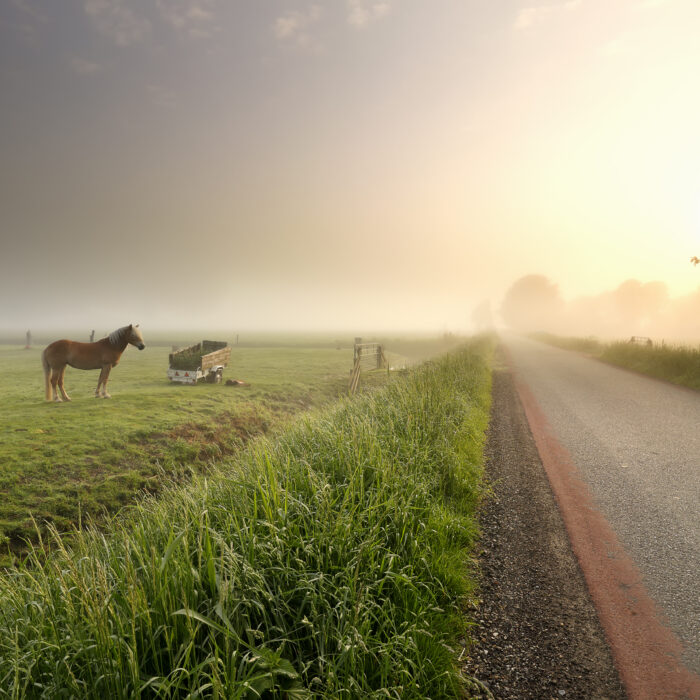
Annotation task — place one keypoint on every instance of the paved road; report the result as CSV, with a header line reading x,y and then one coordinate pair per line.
x,y
635,442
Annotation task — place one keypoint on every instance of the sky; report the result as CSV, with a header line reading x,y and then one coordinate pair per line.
x,y
349,164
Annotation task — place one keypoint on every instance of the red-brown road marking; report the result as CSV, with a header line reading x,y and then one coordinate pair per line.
x,y
646,652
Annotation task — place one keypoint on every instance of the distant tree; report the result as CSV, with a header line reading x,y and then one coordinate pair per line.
x,y
532,304
695,260
636,304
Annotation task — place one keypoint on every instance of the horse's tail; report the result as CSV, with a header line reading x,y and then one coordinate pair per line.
x,y
47,375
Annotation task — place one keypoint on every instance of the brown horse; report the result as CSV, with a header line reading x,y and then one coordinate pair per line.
x,y
103,355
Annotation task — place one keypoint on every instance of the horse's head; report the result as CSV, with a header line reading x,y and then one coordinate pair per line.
x,y
135,337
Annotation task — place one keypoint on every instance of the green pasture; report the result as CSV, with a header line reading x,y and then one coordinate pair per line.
x,y
60,461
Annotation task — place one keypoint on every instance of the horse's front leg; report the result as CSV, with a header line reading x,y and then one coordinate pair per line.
x,y
105,395
101,391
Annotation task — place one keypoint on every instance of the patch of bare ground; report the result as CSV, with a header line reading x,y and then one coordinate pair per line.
x,y
537,634
222,435
221,429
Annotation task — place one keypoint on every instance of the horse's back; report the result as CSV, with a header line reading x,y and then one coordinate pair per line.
x,y
76,354
58,344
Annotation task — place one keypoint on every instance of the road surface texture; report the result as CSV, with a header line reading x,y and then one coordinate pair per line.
x,y
537,635
622,453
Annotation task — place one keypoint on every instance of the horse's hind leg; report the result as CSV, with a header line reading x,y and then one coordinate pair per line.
x,y
47,380
47,377
61,373
55,375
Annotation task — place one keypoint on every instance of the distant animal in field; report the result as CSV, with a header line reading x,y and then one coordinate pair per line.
x,y
103,355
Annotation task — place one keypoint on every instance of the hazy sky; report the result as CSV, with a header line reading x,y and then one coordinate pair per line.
x,y
357,164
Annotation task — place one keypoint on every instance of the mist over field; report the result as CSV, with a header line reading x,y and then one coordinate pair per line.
x,y
353,167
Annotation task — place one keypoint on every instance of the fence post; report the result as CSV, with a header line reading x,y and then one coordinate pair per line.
x,y
363,352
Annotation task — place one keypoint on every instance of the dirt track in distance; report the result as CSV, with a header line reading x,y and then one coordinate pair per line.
x,y
538,635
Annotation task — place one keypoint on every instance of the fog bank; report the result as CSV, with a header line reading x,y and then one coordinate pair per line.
x,y
535,303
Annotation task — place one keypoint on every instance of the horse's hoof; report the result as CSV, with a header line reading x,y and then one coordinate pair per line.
x,y
107,396
68,398
57,400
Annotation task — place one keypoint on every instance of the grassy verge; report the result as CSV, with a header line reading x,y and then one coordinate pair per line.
x,y
328,563
677,364
673,363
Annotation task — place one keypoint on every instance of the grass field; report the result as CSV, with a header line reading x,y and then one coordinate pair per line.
x,y
330,562
65,461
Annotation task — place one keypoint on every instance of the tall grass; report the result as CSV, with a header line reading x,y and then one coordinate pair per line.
x,y
329,563
675,363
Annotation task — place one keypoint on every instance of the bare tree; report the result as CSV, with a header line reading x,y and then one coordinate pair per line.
x,y
695,260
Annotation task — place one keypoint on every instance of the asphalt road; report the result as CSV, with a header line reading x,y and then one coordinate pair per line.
x,y
635,443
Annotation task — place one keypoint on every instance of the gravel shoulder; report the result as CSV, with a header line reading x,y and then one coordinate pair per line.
x,y
538,634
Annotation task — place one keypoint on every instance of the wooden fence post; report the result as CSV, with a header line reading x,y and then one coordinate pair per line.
x,y
365,351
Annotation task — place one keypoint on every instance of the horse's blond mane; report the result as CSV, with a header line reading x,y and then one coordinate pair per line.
x,y
115,337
